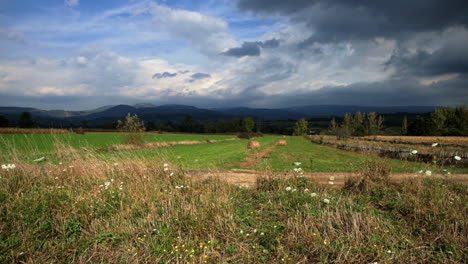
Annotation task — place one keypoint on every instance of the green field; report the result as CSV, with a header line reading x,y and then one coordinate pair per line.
x,y
207,156
31,145
84,204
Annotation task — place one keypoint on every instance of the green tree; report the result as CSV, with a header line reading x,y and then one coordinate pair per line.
x,y
134,128
4,122
358,125
300,129
25,120
439,117
248,124
404,127
333,127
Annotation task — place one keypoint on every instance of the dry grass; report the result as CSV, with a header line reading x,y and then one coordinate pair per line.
x,y
282,142
9,130
253,145
86,210
445,140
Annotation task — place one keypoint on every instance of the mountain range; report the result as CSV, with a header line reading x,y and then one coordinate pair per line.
x,y
175,113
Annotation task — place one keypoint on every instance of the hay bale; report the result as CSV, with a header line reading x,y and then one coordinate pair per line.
x,y
282,142
253,145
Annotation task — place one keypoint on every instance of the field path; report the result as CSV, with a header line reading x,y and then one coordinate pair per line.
x,y
248,178
253,158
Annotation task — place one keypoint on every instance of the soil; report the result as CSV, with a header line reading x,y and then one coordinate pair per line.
x,y
248,178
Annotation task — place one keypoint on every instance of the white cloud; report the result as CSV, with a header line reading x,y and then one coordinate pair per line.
x,y
72,3
207,34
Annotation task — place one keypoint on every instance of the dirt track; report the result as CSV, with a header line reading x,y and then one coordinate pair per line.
x,y
247,178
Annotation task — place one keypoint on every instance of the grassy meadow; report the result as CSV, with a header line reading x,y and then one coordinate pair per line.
x,y
79,205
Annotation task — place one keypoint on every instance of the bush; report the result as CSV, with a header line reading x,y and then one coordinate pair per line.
x,y
80,131
246,135
135,130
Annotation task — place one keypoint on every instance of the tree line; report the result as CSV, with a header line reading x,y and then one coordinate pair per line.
x,y
358,125
444,121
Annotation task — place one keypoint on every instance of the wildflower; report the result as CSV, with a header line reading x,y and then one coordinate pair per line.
x,y
331,182
115,164
297,170
389,251
421,171
313,194
414,152
172,174
457,157
241,232
332,178
166,169
39,159
288,188
435,144
306,190
428,173
8,166
165,165
262,234
71,166
293,190
327,201
297,163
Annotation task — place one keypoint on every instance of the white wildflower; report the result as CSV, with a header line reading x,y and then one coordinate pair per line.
x,y
421,171
288,188
166,169
297,169
332,178
115,164
293,190
8,166
313,195
297,163
389,251
327,201
172,174
331,182
71,166
262,233
457,157
39,159
241,232
414,152
435,144
166,165
306,190
428,173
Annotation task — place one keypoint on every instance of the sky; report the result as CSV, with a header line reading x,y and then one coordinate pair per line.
x,y
83,54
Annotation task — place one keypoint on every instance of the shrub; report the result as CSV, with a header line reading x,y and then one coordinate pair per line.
x,y
247,135
80,131
135,130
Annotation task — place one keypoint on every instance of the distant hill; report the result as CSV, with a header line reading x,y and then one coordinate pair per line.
x,y
176,113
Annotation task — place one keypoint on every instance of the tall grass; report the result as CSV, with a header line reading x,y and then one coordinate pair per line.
x,y
88,210
9,130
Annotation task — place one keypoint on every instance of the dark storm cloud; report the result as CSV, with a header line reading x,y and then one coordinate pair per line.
x,y
344,20
452,58
247,49
199,76
164,75
251,48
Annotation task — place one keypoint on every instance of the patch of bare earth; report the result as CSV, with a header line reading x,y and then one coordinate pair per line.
x,y
248,178
251,159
